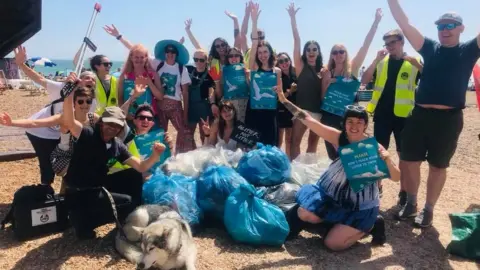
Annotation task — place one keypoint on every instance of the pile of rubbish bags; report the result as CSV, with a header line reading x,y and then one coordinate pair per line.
x,y
248,192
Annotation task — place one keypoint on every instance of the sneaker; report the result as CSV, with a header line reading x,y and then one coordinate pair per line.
x,y
402,198
407,211
424,219
378,232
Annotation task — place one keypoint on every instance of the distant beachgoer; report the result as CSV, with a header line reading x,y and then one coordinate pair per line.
x,y
432,130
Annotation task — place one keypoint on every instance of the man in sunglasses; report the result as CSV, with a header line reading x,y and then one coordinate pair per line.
x,y
431,132
395,76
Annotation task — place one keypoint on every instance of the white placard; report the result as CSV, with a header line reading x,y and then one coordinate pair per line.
x,y
44,216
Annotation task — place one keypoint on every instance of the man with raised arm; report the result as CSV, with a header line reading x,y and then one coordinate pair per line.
x,y
431,131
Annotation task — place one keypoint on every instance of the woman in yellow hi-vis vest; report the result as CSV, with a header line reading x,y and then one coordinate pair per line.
x,y
106,86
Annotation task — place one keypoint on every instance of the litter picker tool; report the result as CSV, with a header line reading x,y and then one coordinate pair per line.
x,y
68,87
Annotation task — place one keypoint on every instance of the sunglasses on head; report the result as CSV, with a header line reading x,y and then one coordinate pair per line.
x,y
171,50
355,108
143,118
221,45
341,52
234,55
391,43
448,26
281,61
107,64
201,60
81,101
312,49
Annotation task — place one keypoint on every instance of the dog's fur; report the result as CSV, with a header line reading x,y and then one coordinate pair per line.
x,y
156,236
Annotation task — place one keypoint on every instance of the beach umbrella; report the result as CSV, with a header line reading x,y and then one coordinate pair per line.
x,y
42,61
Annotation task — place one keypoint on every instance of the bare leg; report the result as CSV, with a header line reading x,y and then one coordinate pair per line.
x,y
192,128
288,140
312,142
435,182
342,237
308,216
410,176
297,134
281,131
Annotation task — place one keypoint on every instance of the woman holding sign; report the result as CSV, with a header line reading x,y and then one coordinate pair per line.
x,y
340,83
137,65
347,193
309,93
234,83
261,114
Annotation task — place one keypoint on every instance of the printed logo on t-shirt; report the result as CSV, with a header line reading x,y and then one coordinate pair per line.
x,y
404,75
169,81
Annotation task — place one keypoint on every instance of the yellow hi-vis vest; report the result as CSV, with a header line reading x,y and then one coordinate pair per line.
x,y
404,91
101,96
132,148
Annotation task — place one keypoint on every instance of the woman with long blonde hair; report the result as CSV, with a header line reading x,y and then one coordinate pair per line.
x,y
138,68
340,66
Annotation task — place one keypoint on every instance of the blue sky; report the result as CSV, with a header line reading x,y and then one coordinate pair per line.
x,y
148,21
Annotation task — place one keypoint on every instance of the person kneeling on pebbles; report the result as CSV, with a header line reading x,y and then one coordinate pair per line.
x,y
96,148
332,200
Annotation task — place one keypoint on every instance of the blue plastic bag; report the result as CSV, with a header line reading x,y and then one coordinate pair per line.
x,y
176,191
265,166
214,186
251,220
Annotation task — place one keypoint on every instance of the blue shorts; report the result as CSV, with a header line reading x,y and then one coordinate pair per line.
x,y
314,199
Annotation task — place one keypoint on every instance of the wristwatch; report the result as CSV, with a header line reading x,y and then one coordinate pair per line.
x,y
119,37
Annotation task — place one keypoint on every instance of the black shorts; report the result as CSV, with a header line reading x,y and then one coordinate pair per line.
x,y
432,135
384,127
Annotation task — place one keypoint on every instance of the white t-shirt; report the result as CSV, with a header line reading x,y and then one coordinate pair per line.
x,y
170,77
53,133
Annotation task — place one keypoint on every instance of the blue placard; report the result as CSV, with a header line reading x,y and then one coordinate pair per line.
x,y
340,94
234,82
262,95
145,98
362,163
145,143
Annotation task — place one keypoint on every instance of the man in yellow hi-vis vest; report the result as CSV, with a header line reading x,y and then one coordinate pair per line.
x,y
395,77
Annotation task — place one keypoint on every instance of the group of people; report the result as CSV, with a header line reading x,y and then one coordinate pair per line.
x,y
98,121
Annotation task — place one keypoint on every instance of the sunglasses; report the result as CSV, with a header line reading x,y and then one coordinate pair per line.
x,y
221,45
171,50
341,52
281,61
143,118
448,26
201,60
234,55
106,64
81,101
391,43
312,49
355,108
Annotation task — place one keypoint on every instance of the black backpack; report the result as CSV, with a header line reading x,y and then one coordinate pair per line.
x,y
35,211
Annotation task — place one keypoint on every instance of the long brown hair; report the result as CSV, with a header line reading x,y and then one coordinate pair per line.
x,y
128,66
221,122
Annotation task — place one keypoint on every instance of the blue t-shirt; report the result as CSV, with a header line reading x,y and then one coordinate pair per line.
x,y
446,72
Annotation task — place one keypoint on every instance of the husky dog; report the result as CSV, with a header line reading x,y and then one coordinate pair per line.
x,y
157,236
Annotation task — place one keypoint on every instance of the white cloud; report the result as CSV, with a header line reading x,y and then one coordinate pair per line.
x,y
346,151
238,67
369,146
257,75
361,145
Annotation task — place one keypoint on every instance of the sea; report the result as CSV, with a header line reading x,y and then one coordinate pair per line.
x,y
66,66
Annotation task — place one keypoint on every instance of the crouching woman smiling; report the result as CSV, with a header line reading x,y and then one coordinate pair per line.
x,y
332,200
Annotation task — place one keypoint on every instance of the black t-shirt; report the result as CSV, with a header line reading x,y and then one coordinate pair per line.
x,y
196,77
91,159
287,83
387,99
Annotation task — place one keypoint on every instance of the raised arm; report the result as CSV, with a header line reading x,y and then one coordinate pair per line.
x,y
145,165
414,36
255,14
297,53
391,165
368,74
113,31
69,121
188,25
357,61
210,131
20,59
77,56
244,30
51,121
329,134
236,28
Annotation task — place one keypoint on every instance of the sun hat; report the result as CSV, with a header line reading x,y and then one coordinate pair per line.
x,y
450,16
113,115
182,53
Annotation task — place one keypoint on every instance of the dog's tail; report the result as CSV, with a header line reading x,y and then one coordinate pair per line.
x,y
128,250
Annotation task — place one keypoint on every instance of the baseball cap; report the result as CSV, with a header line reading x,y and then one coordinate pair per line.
x,y
113,115
450,16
